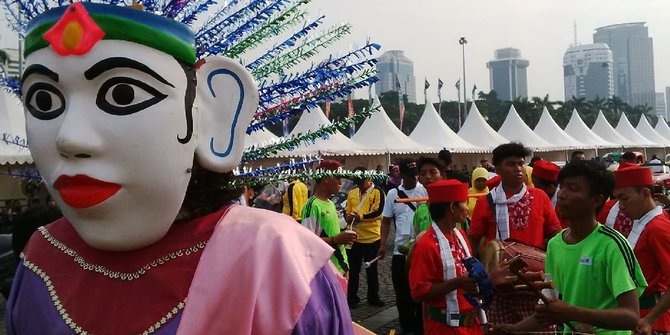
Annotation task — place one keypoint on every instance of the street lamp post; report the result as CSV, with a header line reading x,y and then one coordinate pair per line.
x,y
462,41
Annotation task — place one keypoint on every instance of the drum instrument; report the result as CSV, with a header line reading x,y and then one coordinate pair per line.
x,y
501,252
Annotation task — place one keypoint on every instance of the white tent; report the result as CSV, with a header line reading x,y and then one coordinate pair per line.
x,y
605,130
548,130
478,132
260,137
335,145
578,129
645,129
626,130
515,130
12,127
433,132
382,136
663,129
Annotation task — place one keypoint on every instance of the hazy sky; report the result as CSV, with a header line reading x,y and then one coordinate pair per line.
x,y
428,32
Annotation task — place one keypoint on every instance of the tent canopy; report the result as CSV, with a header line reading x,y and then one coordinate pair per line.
x,y
259,137
478,132
645,129
578,129
12,126
334,145
626,130
663,129
548,130
433,132
380,135
515,130
605,130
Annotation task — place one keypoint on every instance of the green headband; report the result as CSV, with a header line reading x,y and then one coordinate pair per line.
x,y
74,30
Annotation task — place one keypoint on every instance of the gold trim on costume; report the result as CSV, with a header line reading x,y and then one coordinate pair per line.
x,y
129,276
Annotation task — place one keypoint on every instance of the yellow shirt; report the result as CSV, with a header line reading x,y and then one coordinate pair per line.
x,y
294,199
368,229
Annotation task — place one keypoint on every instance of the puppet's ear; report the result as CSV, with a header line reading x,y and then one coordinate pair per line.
x,y
226,99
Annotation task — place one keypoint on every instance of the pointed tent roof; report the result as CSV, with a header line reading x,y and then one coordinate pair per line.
x,y
626,130
433,132
662,128
382,136
645,129
476,131
605,130
335,145
259,137
548,130
516,130
578,129
12,123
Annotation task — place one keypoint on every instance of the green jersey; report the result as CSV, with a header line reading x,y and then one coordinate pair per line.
x,y
422,220
321,217
594,272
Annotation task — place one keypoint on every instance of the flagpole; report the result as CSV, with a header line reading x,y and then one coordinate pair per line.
x,y
462,41
458,87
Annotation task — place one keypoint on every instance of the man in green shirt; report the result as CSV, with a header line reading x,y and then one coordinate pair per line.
x,y
592,266
320,216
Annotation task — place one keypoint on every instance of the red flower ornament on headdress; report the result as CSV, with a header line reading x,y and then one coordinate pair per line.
x,y
75,33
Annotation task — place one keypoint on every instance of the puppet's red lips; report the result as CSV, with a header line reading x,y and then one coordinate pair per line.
x,y
82,191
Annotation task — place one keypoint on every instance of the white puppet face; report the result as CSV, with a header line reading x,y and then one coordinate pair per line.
x,y
105,132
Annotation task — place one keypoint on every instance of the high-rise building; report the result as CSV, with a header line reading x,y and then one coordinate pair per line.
x,y
587,72
393,67
507,73
633,54
660,105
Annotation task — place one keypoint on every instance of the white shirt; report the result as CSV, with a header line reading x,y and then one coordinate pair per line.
x,y
402,214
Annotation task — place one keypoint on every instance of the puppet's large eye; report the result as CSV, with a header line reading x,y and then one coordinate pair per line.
x,y
44,101
124,96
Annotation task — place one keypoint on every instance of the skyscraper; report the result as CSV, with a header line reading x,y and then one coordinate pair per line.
x,y
393,67
633,54
587,71
507,73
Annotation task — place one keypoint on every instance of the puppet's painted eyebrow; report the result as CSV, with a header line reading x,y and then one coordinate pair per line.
x,y
39,69
121,62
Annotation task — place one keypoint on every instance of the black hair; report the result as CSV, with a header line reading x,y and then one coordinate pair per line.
x,y
533,160
357,180
512,149
601,181
576,153
628,155
544,182
439,210
430,160
445,156
208,191
189,99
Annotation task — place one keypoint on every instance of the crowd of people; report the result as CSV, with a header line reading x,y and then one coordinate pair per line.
x,y
606,240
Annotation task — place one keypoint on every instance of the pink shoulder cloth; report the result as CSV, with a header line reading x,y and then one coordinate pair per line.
x,y
253,276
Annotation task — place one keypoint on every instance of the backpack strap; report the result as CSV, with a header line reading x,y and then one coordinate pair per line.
x,y
403,195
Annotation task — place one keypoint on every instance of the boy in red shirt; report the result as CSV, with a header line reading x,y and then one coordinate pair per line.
x,y
437,275
513,211
650,240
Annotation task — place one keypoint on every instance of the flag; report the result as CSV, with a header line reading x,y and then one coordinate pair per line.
x,y
327,109
474,89
350,107
285,127
401,104
458,86
439,96
426,85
